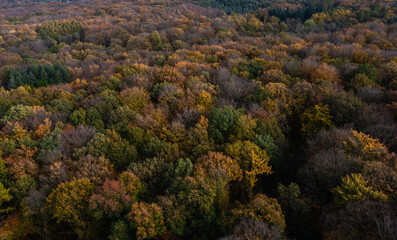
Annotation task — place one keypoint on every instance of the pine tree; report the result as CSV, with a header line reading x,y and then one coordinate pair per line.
x,y
50,72
43,80
11,84
58,77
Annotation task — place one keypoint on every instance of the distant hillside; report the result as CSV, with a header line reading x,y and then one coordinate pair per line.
x,y
281,8
298,9
46,1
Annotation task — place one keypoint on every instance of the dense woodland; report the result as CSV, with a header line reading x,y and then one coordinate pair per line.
x,y
215,119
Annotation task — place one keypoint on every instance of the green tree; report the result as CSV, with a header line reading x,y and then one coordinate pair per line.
x,y
369,70
344,107
222,123
156,41
94,118
361,80
118,150
152,146
192,202
290,197
272,128
120,230
266,142
78,117
17,113
22,187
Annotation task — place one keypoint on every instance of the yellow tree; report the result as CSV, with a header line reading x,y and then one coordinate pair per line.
x,y
68,203
316,119
367,148
252,160
355,188
223,171
262,208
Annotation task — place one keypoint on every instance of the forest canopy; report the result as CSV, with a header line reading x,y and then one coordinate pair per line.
x,y
198,119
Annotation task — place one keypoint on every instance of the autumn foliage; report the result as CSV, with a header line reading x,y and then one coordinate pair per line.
x,y
215,119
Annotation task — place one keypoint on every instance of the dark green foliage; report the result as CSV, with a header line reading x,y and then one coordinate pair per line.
x,y
236,6
120,231
35,76
271,128
49,142
118,150
78,117
94,118
7,146
61,105
344,107
5,176
198,195
22,187
222,123
157,42
369,70
151,146
159,175
245,6
290,197
259,95
266,142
